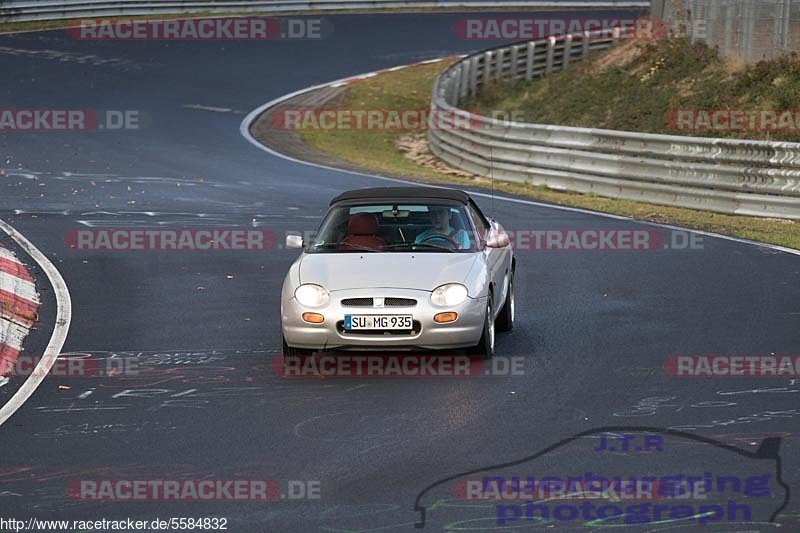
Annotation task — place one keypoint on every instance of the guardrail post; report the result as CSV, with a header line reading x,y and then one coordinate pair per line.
x,y
567,51
453,87
487,67
531,53
473,76
787,24
514,60
709,32
741,12
728,43
585,50
749,21
657,9
551,49
499,63
440,88
463,80
780,38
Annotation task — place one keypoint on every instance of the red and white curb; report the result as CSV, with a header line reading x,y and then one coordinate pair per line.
x,y
19,308
20,304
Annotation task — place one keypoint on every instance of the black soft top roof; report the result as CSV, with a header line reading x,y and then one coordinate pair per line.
x,y
391,193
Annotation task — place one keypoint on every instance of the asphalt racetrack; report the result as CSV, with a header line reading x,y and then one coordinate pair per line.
x,y
593,330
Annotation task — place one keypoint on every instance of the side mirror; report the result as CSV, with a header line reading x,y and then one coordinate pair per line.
x,y
498,239
294,242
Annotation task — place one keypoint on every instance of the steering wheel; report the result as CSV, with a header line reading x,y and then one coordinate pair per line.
x,y
450,242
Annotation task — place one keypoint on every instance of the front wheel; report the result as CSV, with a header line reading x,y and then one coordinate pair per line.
x,y
485,347
505,320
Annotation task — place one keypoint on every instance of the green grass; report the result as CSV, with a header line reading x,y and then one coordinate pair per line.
x,y
631,87
411,88
404,89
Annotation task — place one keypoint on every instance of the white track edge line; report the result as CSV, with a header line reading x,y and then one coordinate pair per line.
x,y
62,323
244,130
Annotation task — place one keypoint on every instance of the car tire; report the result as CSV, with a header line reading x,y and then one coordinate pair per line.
x,y
505,320
485,347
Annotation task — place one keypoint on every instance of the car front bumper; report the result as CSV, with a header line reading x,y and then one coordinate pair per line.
x,y
464,332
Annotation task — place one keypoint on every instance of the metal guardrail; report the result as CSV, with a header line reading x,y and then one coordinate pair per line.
x,y
31,10
723,175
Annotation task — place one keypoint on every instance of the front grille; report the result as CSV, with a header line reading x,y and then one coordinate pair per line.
x,y
399,302
387,302
357,302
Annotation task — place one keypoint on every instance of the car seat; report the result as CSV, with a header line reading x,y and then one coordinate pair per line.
x,y
362,232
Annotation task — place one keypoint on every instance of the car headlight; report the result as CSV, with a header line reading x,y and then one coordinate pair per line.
x,y
312,295
450,294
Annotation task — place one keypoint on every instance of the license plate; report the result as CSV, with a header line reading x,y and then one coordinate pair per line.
x,y
352,322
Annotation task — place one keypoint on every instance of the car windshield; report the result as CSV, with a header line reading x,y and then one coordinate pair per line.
x,y
386,228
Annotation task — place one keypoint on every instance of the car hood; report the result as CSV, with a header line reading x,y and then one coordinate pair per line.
x,y
422,271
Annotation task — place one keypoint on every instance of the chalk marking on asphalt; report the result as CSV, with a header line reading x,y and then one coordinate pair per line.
x,y
60,330
202,107
244,130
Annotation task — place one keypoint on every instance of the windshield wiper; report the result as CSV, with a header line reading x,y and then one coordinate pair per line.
x,y
446,249
359,247
412,244
397,245
337,245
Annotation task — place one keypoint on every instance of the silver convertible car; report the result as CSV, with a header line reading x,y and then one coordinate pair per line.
x,y
399,268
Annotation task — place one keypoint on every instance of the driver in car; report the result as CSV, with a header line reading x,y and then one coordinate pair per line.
x,y
441,230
